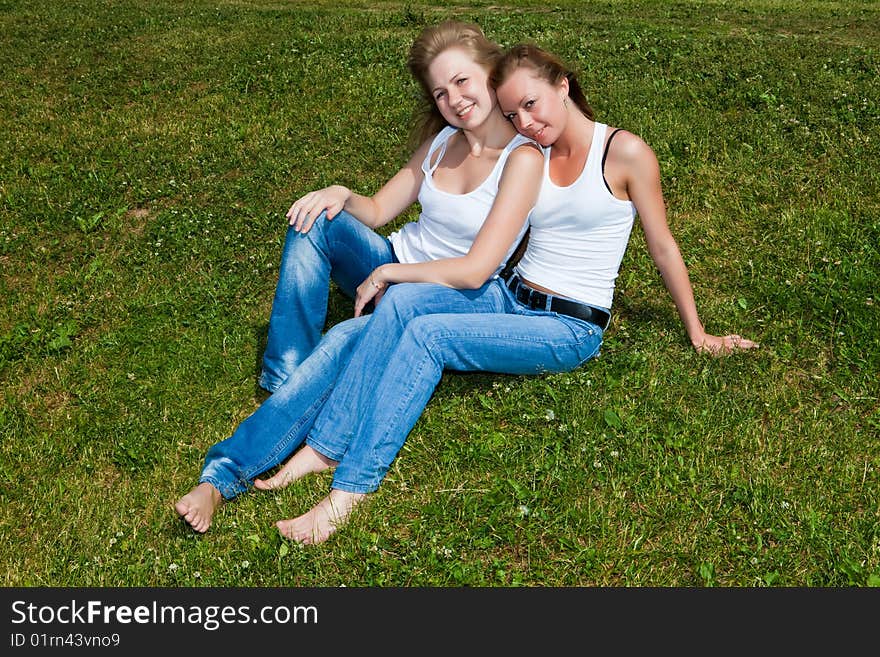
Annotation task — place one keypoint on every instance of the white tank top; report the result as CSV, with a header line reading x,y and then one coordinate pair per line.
x,y
448,222
578,233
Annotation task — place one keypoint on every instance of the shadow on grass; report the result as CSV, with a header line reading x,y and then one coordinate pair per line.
x,y
261,333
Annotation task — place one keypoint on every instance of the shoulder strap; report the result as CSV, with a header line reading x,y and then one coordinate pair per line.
x,y
515,142
518,140
607,146
432,161
605,156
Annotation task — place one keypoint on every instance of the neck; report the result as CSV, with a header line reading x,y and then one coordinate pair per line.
x,y
494,133
577,135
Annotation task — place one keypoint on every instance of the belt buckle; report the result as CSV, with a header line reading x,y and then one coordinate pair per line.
x,y
530,297
514,285
526,295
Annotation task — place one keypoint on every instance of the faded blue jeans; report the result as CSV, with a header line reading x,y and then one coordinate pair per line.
x,y
274,431
343,249
300,366
417,331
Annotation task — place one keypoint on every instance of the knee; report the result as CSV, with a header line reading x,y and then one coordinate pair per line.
x,y
297,244
325,233
317,243
406,300
424,341
318,228
425,333
340,225
342,336
341,216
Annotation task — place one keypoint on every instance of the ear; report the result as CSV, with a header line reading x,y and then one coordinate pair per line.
x,y
563,88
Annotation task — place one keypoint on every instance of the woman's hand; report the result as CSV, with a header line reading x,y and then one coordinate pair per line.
x,y
371,289
306,209
717,345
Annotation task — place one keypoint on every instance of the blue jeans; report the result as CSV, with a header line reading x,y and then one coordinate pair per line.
x,y
274,431
417,331
343,249
300,366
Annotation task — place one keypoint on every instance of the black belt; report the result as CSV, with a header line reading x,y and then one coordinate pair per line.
x,y
538,301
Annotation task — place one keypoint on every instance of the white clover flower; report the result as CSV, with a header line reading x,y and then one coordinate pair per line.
x,y
523,510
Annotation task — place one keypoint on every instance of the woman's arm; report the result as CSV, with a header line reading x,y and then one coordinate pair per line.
x,y
517,194
642,178
394,197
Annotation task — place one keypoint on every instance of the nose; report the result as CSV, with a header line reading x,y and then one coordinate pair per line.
x,y
525,119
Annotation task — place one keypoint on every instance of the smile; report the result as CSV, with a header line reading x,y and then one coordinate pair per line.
x,y
464,112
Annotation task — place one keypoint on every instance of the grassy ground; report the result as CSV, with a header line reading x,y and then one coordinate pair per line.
x,y
148,153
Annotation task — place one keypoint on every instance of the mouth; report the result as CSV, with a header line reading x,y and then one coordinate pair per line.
x,y
538,134
465,111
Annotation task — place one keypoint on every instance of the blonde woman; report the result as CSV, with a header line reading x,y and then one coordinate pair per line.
x,y
476,180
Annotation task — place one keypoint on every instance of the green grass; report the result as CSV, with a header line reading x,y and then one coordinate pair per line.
x,y
149,151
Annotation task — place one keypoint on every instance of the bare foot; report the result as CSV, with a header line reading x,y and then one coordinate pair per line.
x,y
198,506
318,524
305,461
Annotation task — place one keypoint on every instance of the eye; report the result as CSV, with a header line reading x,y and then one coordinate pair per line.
x,y
510,117
529,104
439,95
461,81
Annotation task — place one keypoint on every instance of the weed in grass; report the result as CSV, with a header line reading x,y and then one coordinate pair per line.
x,y
150,152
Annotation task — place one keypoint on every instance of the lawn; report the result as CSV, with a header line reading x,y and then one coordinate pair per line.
x,y
149,152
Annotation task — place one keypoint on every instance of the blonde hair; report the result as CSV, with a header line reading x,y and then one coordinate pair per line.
x,y
546,66
434,40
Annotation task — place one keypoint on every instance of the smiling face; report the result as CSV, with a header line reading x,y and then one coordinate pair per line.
x,y
536,108
460,89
